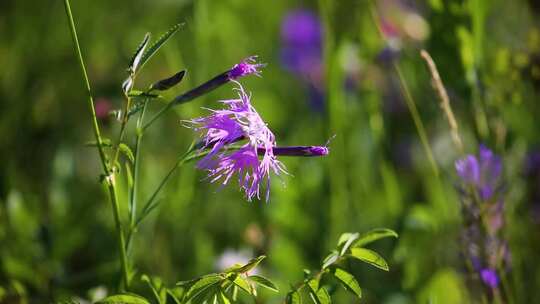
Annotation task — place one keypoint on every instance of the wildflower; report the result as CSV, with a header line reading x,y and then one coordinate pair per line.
x,y
301,35
482,172
102,108
239,120
245,67
253,161
483,214
489,277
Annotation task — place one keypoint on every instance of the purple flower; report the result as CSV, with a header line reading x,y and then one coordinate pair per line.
x,y
467,168
239,120
489,277
245,67
301,35
483,172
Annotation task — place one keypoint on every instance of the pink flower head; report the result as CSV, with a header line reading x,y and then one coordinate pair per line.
x,y
239,120
245,67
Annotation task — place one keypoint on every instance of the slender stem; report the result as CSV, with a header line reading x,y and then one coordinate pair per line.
x,y
150,205
157,115
95,125
417,120
109,176
121,239
136,168
410,103
125,119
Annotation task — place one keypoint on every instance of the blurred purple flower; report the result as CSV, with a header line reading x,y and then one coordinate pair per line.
x,y
482,172
301,53
489,277
468,170
245,67
239,120
102,107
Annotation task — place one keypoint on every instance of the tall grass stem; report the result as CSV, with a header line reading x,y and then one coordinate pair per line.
x,y
109,176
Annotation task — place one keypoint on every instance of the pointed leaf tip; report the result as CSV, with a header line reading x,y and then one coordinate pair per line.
x,y
169,82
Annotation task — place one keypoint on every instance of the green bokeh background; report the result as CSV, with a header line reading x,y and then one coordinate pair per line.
x,y
57,236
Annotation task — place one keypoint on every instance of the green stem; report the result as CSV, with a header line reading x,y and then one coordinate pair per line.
x,y
136,168
109,176
125,119
411,105
417,120
158,115
150,205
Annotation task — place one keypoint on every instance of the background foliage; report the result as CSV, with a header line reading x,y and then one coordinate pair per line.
x,y
56,231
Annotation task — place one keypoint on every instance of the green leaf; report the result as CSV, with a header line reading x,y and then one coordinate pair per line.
x,y
374,235
330,259
348,281
370,257
138,55
206,295
161,40
203,284
127,152
156,285
124,299
293,297
249,265
318,295
168,82
264,282
242,283
351,238
222,298
324,296
172,294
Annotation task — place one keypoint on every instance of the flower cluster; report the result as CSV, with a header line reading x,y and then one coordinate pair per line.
x,y
483,213
253,161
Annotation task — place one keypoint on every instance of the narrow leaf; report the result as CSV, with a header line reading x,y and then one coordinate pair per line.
x,y
124,299
318,295
222,298
330,259
138,55
324,296
174,296
250,265
370,257
169,82
313,289
161,40
348,281
242,283
374,235
352,237
293,297
264,282
203,284
344,237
